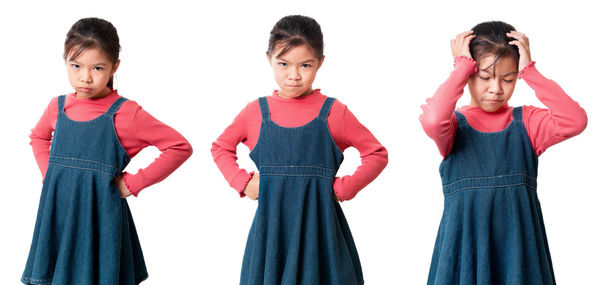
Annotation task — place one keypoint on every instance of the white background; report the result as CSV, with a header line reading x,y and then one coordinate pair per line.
x,y
196,65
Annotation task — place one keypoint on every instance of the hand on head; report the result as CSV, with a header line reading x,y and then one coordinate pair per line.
x,y
522,42
460,45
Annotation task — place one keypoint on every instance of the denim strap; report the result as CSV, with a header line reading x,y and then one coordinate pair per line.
x,y
61,104
517,113
264,108
326,108
115,106
460,118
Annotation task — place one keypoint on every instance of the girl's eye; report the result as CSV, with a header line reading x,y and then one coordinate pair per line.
x,y
284,64
75,66
306,65
508,81
98,68
483,78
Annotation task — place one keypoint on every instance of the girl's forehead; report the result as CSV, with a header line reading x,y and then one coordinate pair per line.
x,y
302,50
81,53
490,63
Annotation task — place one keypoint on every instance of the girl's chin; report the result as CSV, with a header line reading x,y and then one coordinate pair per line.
x,y
490,109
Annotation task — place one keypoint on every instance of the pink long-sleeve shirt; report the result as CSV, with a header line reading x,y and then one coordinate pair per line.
x,y
563,118
345,129
136,129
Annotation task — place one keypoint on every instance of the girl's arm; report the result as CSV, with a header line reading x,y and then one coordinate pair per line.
x,y
373,155
41,135
563,119
175,150
438,119
224,152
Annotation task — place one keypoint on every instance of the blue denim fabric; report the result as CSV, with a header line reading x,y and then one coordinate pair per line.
x,y
299,234
492,231
84,232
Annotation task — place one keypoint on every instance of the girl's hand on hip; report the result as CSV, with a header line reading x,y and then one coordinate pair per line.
x,y
122,187
251,189
522,42
460,45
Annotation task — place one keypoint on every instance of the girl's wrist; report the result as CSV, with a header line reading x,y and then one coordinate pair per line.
x,y
525,69
127,184
466,62
244,184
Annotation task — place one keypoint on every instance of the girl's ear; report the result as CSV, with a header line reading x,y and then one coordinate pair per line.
x,y
268,57
321,61
115,67
64,58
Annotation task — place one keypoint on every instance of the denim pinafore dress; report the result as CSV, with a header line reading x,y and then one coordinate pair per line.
x,y
492,230
299,234
84,233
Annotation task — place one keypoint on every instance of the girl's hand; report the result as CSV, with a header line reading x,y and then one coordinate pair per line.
x,y
122,187
522,42
460,45
251,189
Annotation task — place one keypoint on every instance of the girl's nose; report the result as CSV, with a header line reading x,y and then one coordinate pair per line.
x,y
294,74
495,86
85,76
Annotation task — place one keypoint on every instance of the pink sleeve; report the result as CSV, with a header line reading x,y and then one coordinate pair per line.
x,y
438,119
224,152
563,119
41,135
175,150
374,156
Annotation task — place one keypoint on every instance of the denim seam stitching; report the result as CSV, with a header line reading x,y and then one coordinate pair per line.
x,y
495,186
296,175
87,160
296,166
37,280
487,177
82,168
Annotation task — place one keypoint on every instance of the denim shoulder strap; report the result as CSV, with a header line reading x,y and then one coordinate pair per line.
x,y
264,108
326,108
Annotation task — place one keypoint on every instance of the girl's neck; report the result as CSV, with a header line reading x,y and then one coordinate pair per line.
x,y
304,98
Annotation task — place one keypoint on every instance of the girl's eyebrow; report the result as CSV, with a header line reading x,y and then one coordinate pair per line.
x,y
282,58
96,64
507,74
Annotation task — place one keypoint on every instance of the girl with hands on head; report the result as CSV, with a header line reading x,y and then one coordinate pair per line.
x,y
297,135
492,230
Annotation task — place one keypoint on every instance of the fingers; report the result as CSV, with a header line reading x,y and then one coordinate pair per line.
x,y
463,37
519,37
519,44
460,44
469,38
464,34
522,43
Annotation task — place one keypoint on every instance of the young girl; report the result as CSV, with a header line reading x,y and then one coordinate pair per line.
x,y
492,231
299,234
84,233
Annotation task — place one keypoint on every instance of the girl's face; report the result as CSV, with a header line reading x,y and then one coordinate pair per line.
x,y
90,72
492,88
295,70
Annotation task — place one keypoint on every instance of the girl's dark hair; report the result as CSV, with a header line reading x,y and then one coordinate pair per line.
x,y
295,30
93,33
490,39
